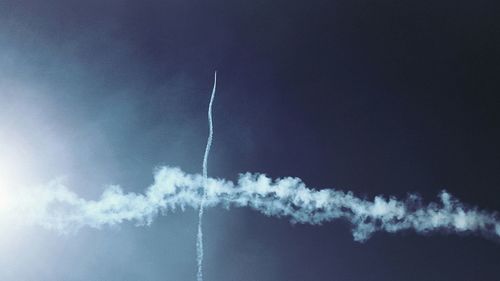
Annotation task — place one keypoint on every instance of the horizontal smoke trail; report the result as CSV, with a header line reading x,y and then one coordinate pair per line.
x,y
56,207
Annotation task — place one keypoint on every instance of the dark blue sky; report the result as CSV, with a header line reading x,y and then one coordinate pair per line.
x,y
377,97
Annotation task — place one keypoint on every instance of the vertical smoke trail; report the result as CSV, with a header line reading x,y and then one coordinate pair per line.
x,y
199,241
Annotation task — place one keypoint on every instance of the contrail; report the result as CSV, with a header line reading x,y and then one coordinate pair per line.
x,y
54,206
199,237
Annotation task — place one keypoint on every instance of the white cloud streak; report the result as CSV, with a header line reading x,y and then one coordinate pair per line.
x,y
56,207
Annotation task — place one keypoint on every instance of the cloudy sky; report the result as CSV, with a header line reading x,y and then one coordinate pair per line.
x,y
375,97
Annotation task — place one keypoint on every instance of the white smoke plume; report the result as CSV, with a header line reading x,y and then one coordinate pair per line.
x,y
56,207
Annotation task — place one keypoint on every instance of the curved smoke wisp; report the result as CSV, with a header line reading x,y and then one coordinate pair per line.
x,y
199,236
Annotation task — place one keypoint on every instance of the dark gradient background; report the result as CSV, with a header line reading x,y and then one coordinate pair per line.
x,y
378,97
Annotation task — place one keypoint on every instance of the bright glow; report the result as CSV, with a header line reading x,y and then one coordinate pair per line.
x,y
12,157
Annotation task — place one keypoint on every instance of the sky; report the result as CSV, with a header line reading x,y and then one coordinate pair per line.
x,y
374,97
